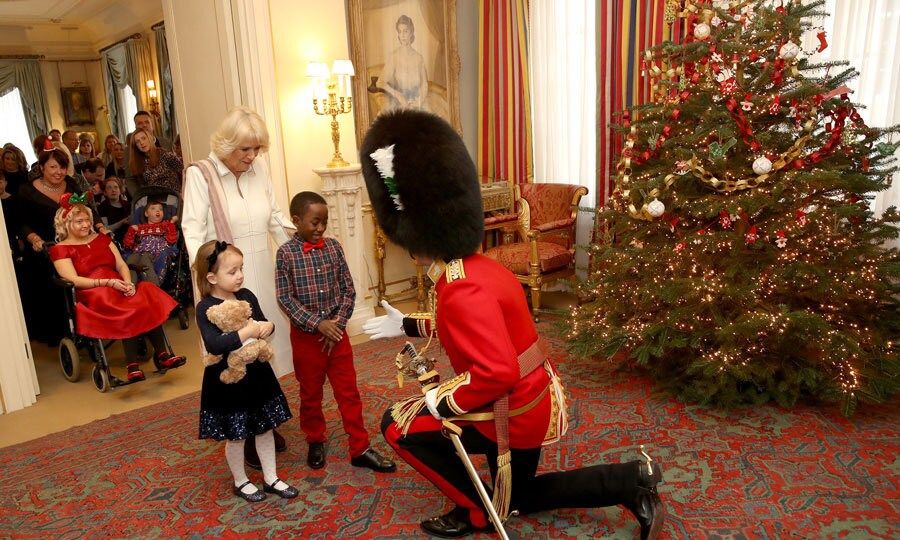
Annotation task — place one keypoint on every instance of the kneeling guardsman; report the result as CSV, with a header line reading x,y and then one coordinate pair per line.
x,y
506,400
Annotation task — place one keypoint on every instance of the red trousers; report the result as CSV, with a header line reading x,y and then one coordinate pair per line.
x,y
311,366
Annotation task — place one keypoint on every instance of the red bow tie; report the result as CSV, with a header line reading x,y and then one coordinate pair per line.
x,y
307,247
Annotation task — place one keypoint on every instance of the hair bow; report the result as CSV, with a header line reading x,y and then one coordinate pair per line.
x,y
221,246
68,200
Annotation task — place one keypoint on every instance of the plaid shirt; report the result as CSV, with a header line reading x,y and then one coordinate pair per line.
x,y
314,286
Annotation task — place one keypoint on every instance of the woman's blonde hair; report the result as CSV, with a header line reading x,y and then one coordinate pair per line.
x,y
65,216
240,126
202,266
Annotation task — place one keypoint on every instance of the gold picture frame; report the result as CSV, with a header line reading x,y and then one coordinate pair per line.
x,y
78,107
385,58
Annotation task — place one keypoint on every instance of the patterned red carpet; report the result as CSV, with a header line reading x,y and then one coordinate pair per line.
x,y
751,473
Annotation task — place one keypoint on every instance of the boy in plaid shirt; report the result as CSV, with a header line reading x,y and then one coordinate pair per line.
x,y
314,287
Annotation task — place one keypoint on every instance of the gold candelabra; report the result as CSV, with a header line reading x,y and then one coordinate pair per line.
x,y
333,106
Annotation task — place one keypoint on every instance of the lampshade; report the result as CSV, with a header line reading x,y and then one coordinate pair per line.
x,y
317,69
342,67
151,84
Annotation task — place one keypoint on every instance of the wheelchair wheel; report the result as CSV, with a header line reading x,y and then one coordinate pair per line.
x,y
68,359
183,321
101,378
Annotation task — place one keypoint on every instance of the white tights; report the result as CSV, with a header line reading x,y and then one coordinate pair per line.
x,y
265,448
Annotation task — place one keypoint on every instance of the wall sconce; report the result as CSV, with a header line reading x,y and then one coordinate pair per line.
x,y
334,92
151,91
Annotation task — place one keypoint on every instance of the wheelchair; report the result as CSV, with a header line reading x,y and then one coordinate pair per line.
x,y
72,342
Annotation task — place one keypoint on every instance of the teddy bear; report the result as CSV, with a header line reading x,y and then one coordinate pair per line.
x,y
230,316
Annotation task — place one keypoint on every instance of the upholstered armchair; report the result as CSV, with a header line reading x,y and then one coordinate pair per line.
x,y
544,250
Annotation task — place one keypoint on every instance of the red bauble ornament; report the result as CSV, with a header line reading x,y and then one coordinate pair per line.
x,y
864,164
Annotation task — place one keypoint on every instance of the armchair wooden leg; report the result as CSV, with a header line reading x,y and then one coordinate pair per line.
x,y
535,301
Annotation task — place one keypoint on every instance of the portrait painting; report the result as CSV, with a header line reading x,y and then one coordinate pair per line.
x,y
406,56
78,108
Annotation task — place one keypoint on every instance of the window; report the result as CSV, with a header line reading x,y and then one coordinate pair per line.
x,y
12,124
129,107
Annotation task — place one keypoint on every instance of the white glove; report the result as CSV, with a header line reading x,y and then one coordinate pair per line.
x,y
431,402
385,326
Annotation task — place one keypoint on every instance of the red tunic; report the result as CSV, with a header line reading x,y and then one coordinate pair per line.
x,y
103,312
484,324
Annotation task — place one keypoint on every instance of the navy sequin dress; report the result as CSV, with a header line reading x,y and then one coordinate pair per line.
x,y
249,407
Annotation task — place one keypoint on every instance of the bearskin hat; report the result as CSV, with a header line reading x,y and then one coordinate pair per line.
x,y
423,185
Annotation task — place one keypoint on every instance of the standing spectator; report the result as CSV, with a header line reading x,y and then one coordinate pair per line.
x,y
38,202
246,215
71,142
13,169
10,216
91,178
115,210
144,120
116,166
108,144
86,146
151,165
39,144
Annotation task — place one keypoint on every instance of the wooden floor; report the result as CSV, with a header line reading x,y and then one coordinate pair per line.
x,y
62,404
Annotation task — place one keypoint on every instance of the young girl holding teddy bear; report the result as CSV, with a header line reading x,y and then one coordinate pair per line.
x,y
253,405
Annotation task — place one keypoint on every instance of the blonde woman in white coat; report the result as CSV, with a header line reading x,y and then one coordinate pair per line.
x,y
241,193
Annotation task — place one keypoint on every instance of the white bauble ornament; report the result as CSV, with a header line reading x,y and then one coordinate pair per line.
x,y
701,31
762,165
789,50
656,208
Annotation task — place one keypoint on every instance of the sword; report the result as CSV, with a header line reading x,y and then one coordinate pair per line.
x,y
419,367
451,431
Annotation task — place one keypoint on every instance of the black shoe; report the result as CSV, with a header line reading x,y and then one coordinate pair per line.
x,y
251,458
316,456
287,493
453,524
256,496
373,460
646,505
280,443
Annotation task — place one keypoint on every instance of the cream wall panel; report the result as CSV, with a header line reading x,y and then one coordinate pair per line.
x,y
193,37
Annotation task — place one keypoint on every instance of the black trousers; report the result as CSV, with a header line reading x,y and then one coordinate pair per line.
x,y
433,454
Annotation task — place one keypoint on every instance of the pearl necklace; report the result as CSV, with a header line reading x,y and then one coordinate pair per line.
x,y
51,188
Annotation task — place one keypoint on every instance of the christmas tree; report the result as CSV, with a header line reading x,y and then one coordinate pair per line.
x,y
737,260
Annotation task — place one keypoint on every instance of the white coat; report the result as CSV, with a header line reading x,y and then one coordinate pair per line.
x,y
255,221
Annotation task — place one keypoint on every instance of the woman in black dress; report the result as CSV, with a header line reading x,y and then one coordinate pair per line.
x,y
37,202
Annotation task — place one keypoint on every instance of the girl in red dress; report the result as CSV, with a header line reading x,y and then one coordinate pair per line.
x,y
109,305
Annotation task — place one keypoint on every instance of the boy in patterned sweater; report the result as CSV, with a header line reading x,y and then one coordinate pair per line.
x,y
314,287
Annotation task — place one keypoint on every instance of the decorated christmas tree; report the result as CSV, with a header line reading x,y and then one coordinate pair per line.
x,y
737,260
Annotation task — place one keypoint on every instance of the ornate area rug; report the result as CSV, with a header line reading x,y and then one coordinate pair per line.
x,y
759,472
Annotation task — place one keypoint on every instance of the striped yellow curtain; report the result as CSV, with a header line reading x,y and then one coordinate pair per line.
x,y
504,109
625,28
